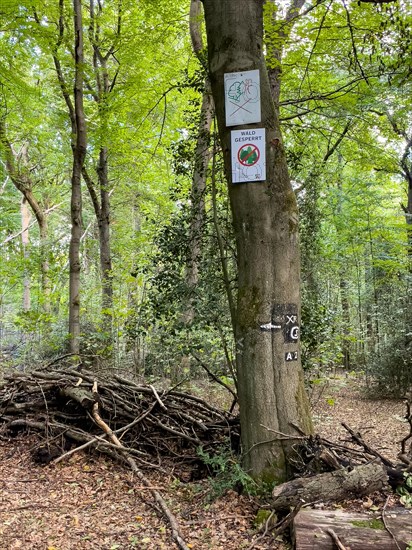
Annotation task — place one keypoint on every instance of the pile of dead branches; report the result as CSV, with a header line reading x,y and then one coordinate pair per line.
x,y
328,471
150,424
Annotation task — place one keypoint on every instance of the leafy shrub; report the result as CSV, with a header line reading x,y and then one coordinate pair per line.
x,y
390,371
405,491
226,472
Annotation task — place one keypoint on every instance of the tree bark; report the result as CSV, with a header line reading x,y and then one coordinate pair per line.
x,y
271,393
332,486
356,531
102,211
201,162
104,236
101,199
23,183
25,223
276,37
79,153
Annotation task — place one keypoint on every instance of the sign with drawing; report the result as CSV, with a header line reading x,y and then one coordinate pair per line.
x,y
248,155
242,98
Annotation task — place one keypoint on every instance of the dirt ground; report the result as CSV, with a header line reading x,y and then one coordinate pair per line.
x,y
88,502
343,398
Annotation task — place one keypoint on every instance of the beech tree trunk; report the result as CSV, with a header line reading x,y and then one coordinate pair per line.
x,y
102,211
104,236
25,223
100,193
272,398
79,153
201,162
19,171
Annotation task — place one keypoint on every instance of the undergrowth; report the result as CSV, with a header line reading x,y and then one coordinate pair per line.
x,y
226,473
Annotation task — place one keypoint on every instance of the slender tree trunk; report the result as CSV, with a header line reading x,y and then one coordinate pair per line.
x,y
344,300
343,287
199,178
276,41
23,183
408,219
202,158
201,162
25,222
406,172
270,379
101,207
100,194
45,267
372,308
104,233
79,153
102,212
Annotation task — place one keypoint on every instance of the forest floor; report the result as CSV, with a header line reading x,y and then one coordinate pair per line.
x,y
88,502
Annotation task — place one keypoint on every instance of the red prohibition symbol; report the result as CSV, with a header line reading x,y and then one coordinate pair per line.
x,y
248,154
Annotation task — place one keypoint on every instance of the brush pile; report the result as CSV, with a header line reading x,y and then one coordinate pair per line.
x,y
151,424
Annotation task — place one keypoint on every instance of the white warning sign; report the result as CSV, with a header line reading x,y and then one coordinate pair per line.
x,y
242,98
248,155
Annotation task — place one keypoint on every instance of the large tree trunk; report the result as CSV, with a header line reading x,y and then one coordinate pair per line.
x,y
271,393
79,153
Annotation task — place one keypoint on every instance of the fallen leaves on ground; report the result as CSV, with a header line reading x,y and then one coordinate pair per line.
x,y
89,502
343,398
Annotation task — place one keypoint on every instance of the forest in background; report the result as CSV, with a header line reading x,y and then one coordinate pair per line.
x,y
157,254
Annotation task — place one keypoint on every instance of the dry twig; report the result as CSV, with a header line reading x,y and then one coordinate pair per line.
x,y
132,463
386,524
336,540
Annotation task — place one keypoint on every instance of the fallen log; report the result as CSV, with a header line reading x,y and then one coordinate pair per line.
x,y
331,486
312,530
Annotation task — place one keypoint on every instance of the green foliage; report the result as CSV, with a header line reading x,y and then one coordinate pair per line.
x,y
33,321
405,491
391,371
345,111
226,472
161,318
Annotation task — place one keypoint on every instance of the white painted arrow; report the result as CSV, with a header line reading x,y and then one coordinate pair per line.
x,y
269,326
